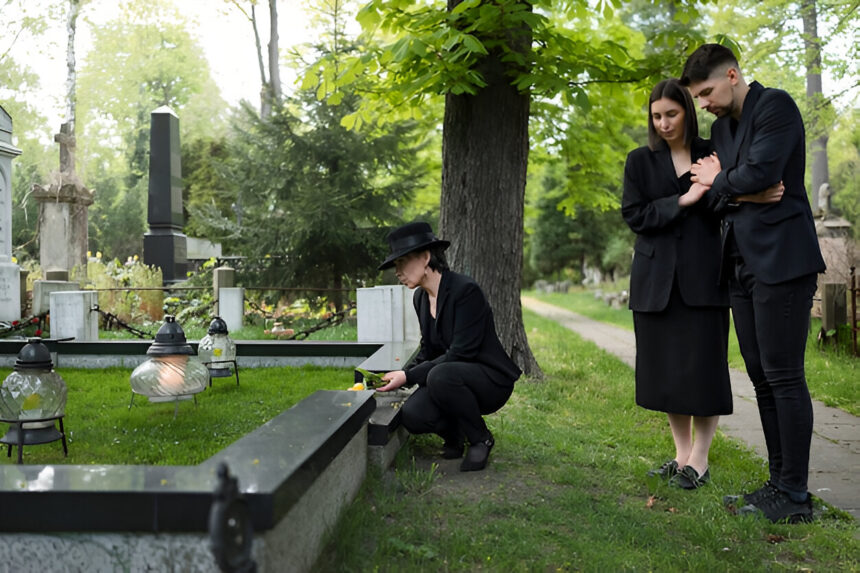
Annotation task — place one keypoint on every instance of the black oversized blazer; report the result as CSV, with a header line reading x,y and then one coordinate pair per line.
x,y
670,241
778,240
465,331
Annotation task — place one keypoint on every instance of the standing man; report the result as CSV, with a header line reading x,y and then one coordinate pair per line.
x,y
770,257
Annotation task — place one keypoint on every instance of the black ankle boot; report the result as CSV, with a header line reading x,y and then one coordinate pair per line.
x,y
478,455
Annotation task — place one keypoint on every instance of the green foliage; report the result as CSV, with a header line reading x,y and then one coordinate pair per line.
x,y
844,159
315,198
102,430
133,306
32,166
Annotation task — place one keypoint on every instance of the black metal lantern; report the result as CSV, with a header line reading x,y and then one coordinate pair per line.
x,y
218,351
33,400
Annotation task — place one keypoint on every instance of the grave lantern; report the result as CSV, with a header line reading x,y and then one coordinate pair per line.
x,y
172,373
33,400
218,351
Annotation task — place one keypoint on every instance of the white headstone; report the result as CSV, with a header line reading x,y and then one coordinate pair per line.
x,y
72,315
10,275
231,307
385,314
42,293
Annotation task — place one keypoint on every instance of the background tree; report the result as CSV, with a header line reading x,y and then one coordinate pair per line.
x,y
490,59
140,61
18,85
317,197
790,45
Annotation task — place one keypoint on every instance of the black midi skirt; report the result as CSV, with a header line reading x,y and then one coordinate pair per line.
x,y
681,363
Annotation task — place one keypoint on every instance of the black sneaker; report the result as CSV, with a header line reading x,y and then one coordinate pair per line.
x,y
666,471
752,498
780,508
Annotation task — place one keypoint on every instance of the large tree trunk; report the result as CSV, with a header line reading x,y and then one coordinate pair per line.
x,y
485,147
814,97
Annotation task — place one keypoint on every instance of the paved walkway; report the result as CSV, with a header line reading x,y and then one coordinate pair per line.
x,y
834,465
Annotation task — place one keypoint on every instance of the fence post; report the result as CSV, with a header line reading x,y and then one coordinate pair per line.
x,y
222,277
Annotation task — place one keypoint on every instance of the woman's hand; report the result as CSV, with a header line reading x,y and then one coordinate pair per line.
x,y
772,194
706,169
395,379
691,197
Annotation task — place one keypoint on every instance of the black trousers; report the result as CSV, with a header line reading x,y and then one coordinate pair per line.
x,y
772,324
453,401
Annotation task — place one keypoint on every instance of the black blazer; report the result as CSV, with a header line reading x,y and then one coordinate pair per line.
x,y
670,241
778,240
465,331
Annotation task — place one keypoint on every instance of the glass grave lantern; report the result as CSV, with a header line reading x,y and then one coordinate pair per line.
x,y
218,351
173,372
33,400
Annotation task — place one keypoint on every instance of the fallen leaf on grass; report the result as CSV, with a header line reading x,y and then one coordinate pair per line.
x,y
651,501
773,538
672,510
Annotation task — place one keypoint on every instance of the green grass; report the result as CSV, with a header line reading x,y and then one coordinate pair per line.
x,y
102,430
831,373
565,491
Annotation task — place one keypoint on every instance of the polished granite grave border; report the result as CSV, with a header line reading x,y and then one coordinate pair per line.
x,y
275,464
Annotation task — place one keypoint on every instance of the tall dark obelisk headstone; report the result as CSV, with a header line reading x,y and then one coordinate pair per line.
x,y
164,245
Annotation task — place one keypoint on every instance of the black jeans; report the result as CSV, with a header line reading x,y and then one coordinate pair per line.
x,y
772,324
452,403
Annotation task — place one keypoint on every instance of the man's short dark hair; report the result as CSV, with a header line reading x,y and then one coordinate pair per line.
x,y
672,89
702,63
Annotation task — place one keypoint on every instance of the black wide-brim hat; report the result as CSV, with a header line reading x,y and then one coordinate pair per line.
x,y
410,238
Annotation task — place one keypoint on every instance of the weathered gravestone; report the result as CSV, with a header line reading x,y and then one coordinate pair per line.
x,y
63,217
165,245
10,276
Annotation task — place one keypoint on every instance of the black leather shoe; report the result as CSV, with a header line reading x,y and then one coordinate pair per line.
x,y
688,478
752,498
478,455
452,450
667,470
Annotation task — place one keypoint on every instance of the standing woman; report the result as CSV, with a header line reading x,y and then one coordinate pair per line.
x,y
462,370
680,313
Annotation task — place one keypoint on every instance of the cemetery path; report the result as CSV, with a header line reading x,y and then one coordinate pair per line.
x,y
834,472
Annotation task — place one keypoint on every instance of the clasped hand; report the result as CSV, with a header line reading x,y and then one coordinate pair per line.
x,y
706,169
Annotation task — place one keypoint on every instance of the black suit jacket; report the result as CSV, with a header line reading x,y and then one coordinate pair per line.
x,y
777,241
670,241
465,331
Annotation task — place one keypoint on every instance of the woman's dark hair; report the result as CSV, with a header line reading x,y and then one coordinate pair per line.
x,y
438,262
704,61
673,90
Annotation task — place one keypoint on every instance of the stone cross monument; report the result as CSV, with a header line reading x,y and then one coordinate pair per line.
x,y
63,206
164,245
10,276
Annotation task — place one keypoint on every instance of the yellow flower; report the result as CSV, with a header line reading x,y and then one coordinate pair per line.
x,y
89,253
136,258
14,259
98,254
